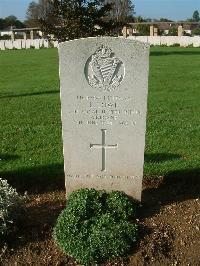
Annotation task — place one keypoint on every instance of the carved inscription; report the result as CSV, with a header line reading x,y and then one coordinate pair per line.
x,y
105,111
74,176
104,71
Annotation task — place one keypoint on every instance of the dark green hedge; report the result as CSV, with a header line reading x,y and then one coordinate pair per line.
x,y
96,226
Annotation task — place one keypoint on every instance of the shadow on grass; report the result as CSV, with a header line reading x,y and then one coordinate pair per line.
x,y
28,94
37,179
160,157
8,157
189,52
174,187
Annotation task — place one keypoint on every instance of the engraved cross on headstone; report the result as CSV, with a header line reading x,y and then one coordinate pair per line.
x,y
103,146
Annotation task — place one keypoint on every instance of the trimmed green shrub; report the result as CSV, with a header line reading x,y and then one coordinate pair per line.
x,y
10,207
96,226
175,45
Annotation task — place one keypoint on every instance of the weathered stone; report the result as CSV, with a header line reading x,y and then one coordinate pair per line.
x,y
46,43
9,44
155,31
17,44
2,45
151,30
37,43
104,84
180,30
28,44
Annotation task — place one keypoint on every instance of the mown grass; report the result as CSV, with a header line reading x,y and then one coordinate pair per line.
x,y
30,126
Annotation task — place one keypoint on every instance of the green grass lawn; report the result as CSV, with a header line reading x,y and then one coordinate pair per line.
x,y
30,126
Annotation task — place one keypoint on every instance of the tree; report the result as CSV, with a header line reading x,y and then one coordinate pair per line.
x,y
121,9
165,20
196,32
33,15
143,29
37,11
70,19
10,21
196,16
173,32
2,23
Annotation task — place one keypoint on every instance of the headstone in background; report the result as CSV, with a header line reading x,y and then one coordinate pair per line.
x,y
37,43
9,44
42,42
17,44
46,43
104,83
28,44
2,45
24,44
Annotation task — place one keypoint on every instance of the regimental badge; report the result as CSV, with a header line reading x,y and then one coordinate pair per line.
x,y
103,70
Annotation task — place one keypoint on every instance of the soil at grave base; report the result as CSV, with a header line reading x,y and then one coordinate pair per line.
x,y
169,230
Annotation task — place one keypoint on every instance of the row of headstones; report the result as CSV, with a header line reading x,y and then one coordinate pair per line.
x,y
27,44
183,41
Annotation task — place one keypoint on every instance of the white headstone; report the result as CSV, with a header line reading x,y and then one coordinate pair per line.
x,y
154,40
28,44
2,45
196,41
24,44
9,44
17,44
46,43
185,41
55,44
42,42
37,43
142,38
104,83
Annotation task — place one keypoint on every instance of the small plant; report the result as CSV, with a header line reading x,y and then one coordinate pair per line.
x,y
175,45
10,207
96,226
190,45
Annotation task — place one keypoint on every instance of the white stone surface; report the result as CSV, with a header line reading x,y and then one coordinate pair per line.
x,y
28,44
9,44
185,41
142,39
46,43
37,43
2,45
55,44
17,44
196,41
154,40
131,37
23,44
104,83
41,42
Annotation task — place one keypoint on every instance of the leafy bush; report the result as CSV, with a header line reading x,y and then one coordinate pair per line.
x,y
96,225
175,45
196,32
10,207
